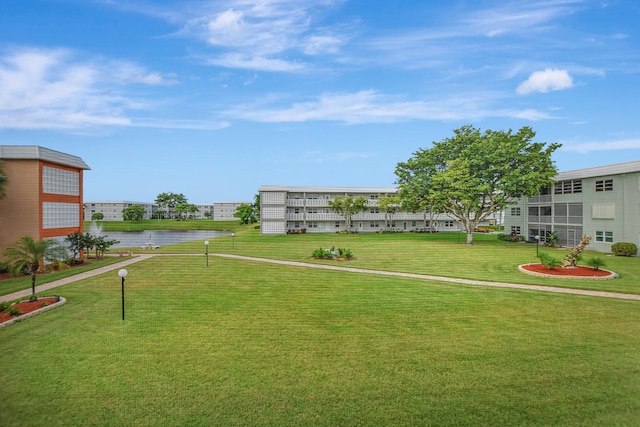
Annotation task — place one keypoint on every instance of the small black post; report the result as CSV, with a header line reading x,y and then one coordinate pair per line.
x,y
123,298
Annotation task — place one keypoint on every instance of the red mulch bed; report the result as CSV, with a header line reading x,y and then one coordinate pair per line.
x,y
579,271
26,307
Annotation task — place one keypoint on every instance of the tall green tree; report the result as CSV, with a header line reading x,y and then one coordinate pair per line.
x,y
474,174
133,213
29,255
246,213
3,182
389,205
348,207
182,210
169,201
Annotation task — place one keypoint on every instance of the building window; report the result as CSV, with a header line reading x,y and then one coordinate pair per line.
x,y
604,236
337,224
313,225
60,181
604,185
296,224
515,211
568,187
373,224
448,223
373,197
515,229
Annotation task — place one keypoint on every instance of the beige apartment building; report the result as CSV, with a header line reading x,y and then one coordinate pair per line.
x,y
44,194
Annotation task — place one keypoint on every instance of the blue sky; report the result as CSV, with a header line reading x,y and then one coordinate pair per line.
x,y
214,98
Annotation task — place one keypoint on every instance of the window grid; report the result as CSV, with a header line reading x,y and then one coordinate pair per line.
x,y
604,185
60,181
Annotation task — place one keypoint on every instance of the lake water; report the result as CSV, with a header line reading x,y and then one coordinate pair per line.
x,y
157,237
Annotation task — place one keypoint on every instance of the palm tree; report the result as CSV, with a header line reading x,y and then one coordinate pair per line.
x,y
29,255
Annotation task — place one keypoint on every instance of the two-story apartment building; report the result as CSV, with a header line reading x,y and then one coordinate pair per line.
x,y
224,211
43,198
286,209
603,202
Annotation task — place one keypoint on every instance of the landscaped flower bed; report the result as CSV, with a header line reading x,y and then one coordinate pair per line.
x,y
578,272
25,309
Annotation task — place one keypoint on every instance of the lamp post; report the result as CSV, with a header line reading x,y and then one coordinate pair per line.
x,y
537,237
122,273
233,240
206,251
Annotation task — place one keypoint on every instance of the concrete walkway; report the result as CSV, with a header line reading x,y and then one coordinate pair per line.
x,y
75,278
143,257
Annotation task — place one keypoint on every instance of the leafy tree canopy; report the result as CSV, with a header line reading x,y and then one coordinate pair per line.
x,y
473,174
133,213
348,207
246,213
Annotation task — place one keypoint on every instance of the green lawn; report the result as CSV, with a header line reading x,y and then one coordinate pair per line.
x,y
441,254
244,343
248,343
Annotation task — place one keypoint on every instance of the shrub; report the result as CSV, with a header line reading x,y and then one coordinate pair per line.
x,y
552,239
549,261
332,253
3,306
624,249
597,263
14,310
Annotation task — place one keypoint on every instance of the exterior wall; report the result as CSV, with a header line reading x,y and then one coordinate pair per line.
x,y
201,211
20,209
43,199
604,206
306,209
223,211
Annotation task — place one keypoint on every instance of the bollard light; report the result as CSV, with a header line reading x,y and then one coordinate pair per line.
x,y
206,251
123,273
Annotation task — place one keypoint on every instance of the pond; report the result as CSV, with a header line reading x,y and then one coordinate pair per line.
x,y
156,237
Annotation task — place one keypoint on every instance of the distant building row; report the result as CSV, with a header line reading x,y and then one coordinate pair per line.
x,y
112,210
603,202
286,210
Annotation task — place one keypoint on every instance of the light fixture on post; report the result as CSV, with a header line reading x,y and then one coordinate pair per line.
x,y
537,237
123,273
206,251
233,240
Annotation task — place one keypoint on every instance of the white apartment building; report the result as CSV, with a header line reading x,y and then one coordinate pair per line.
x,y
294,209
603,202
201,213
112,210
223,211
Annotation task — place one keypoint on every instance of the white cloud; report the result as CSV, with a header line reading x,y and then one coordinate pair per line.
x,y
56,89
586,147
263,35
370,106
545,81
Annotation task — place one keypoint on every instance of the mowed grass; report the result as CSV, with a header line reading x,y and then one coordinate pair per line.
x,y
440,254
246,343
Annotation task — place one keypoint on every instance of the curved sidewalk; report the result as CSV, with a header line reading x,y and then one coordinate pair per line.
x,y
585,292
74,278
143,257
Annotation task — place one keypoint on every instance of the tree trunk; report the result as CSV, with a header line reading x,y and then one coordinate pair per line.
x,y
33,288
469,237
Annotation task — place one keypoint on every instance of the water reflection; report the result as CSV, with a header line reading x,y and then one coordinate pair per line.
x,y
155,238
